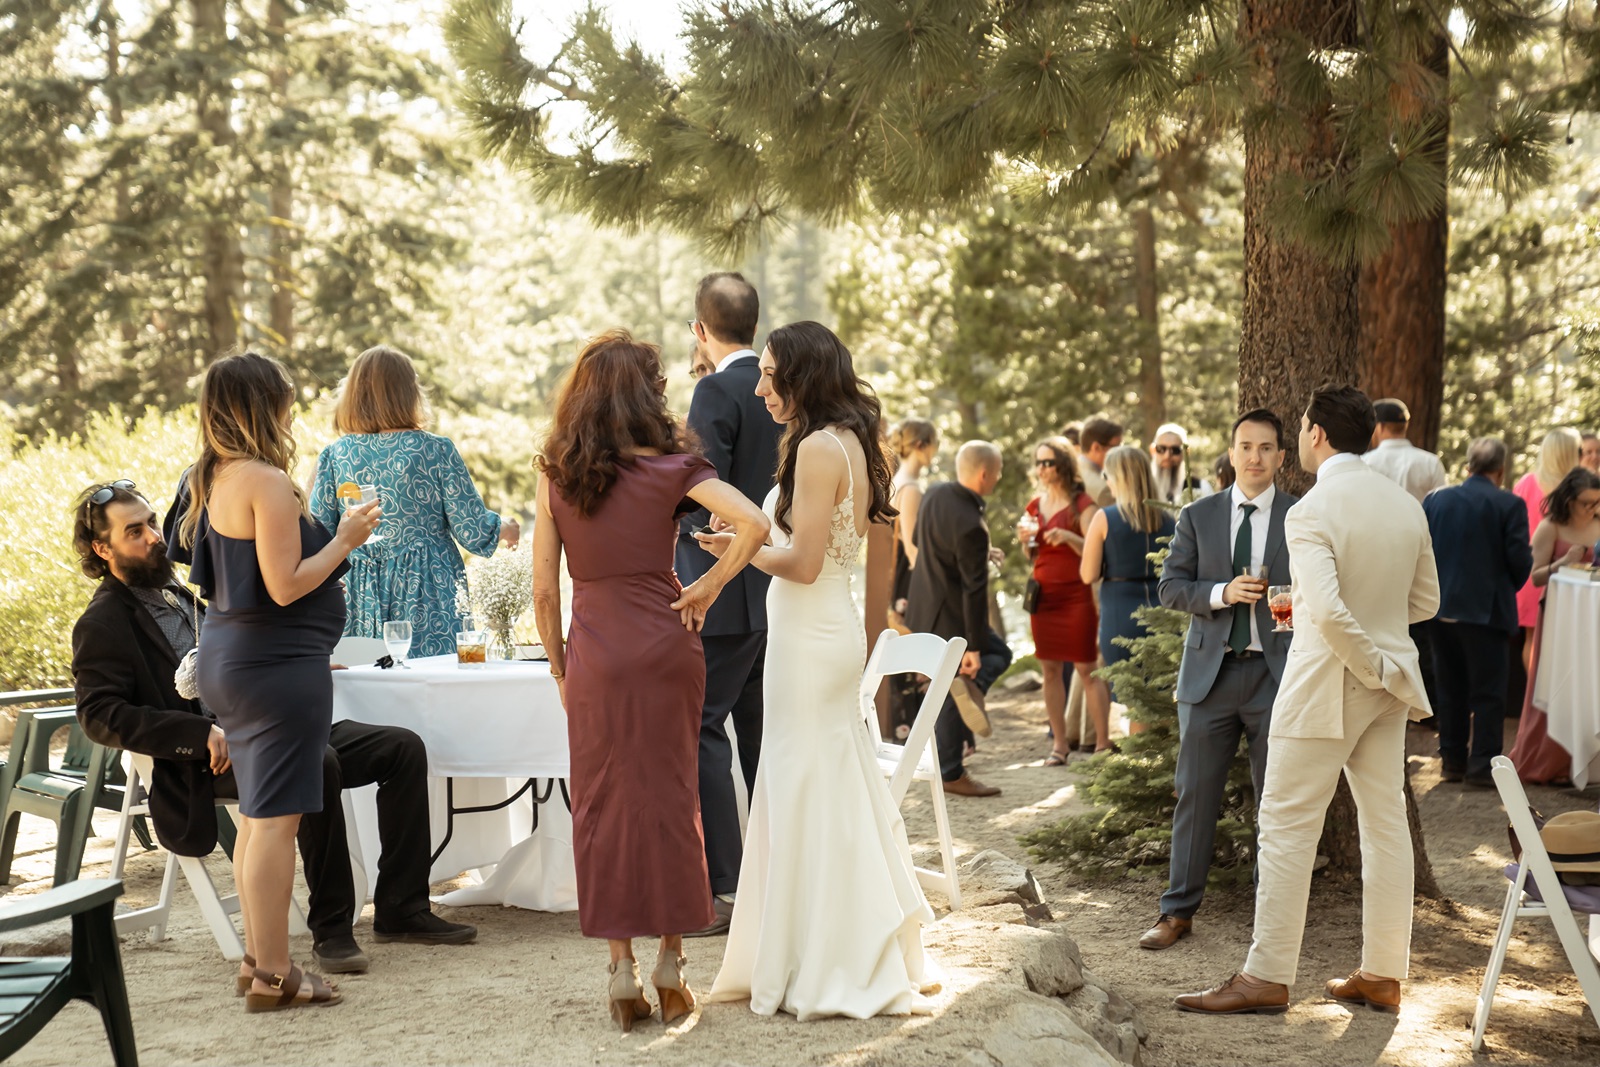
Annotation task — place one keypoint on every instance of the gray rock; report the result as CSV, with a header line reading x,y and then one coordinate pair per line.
x,y
992,872
1037,1033
1023,682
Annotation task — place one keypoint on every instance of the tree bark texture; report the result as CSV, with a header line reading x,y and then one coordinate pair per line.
x,y
222,258
1402,304
1152,384
1301,325
280,198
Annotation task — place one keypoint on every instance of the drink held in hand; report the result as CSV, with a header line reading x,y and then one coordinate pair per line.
x,y
1280,601
353,496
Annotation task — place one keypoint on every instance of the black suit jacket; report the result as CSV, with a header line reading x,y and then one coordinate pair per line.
x,y
949,593
122,670
741,440
1201,557
1480,542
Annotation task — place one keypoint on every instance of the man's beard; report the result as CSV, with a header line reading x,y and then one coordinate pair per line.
x,y
1169,481
152,572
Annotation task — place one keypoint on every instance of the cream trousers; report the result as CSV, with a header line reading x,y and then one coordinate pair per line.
x,y
1301,776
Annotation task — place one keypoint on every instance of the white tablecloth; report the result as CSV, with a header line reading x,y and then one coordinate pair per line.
x,y
1568,684
491,729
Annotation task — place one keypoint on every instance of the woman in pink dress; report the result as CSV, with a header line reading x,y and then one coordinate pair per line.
x,y
1557,455
1571,525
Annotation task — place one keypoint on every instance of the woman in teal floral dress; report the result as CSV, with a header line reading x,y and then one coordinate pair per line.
x,y
430,505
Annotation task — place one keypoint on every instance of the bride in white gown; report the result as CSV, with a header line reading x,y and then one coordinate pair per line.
x,y
829,913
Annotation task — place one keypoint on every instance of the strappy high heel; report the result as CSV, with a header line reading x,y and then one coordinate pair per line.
x,y
286,989
625,995
677,999
242,983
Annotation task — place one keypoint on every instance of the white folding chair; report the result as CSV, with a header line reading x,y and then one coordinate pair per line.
x,y
217,910
1535,862
917,759
358,651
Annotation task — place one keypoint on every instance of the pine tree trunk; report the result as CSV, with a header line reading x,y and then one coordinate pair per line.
x,y
222,260
1152,384
127,328
1402,305
280,199
1301,325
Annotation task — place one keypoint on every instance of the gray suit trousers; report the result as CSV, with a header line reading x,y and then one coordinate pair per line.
x,y
1240,702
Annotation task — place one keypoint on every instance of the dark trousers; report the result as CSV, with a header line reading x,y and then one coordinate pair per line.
x,y
950,732
358,755
1422,637
1240,702
1469,667
734,676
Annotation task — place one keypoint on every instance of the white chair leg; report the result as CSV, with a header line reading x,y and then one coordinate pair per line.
x,y
154,917
358,863
130,802
1577,950
947,848
297,919
1497,959
213,908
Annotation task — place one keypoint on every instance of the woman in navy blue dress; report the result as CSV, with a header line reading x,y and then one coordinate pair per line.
x,y
271,574
1118,546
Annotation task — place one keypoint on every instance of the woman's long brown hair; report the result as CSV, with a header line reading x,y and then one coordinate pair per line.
x,y
816,380
245,401
612,405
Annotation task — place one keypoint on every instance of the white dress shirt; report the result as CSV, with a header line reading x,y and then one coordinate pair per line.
x,y
1333,462
1260,520
731,356
1416,470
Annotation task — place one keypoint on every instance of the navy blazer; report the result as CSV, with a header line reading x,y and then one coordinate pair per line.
x,y
1480,542
739,437
1200,558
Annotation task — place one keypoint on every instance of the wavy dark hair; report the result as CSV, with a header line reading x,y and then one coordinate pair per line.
x,y
1066,463
612,404
1559,504
815,377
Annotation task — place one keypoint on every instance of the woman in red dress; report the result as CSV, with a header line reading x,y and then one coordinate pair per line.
x,y
617,469
1066,626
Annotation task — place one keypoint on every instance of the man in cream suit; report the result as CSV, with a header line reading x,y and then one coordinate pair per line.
x,y
1362,562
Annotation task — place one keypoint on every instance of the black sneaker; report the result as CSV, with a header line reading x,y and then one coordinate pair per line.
x,y
1451,772
340,954
1479,780
424,928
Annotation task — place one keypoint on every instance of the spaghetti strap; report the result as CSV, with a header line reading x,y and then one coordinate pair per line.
x,y
848,470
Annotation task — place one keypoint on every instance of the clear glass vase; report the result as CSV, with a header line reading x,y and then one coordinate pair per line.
x,y
502,641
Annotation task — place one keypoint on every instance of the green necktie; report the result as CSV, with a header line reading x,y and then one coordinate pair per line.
x,y
1239,637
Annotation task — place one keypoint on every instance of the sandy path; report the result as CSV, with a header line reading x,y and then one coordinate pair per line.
x,y
530,990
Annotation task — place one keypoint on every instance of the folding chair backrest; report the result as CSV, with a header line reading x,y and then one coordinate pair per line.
x,y
927,654
1520,812
359,651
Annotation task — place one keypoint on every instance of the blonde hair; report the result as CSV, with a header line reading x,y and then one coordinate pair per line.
x,y
909,435
1557,456
381,393
245,402
1134,486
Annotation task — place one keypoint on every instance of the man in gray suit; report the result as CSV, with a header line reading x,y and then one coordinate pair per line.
x,y
1232,659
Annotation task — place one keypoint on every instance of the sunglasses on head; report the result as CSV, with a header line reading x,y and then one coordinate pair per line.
x,y
104,494
1169,450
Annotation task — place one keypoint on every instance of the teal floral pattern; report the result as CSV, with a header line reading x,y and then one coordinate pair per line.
x,y
429,506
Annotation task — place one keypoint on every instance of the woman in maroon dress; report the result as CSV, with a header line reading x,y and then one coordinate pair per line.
x,y
617,469
1066,626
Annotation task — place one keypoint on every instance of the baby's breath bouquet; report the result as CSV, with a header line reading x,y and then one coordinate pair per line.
x,y
497,590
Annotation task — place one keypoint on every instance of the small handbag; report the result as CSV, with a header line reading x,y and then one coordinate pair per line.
x,y
1030,595
186,678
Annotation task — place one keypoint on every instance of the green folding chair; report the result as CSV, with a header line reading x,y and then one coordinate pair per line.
x,y
33,787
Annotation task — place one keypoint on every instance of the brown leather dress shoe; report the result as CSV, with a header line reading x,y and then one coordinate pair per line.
x,y
1239,995
720,924
971,704
1380,995
1168,931
968,786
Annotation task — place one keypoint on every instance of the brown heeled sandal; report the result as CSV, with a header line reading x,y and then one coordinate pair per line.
x,y
242,983
677,999
288,986
625,995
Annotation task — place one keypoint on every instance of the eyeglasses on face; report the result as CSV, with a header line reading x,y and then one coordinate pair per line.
x,y
104,494
1169,450
699,370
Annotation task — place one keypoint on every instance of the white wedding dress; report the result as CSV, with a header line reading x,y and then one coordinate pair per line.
x,y
829,915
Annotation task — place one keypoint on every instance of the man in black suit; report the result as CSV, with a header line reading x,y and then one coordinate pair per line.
x,y
1480,542
125,649
949,596
740,438
1232,659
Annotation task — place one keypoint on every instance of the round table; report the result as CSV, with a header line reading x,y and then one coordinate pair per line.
x,y
491,731
1567,687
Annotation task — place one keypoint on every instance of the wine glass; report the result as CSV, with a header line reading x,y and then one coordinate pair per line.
x,y
397,639
1280,601
352,496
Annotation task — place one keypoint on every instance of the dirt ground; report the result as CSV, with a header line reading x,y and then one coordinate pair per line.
x,y
530,989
